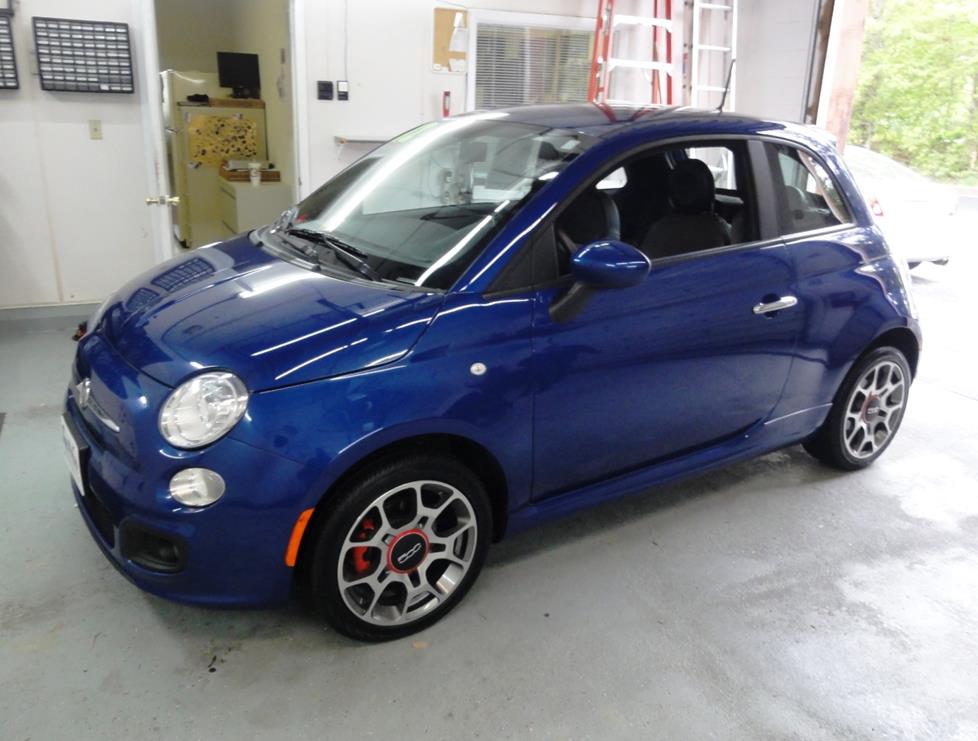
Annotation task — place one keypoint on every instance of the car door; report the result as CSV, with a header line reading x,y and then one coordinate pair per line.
x,y
695,355
830,252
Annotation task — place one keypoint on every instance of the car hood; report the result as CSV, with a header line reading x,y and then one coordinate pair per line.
x,y
234,306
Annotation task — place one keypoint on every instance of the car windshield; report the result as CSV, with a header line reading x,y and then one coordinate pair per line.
x,y
418,210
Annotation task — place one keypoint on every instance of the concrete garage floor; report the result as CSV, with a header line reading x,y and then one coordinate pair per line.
x,y
773,599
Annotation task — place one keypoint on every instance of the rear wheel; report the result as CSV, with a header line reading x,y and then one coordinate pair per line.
x,y
403,545
866,413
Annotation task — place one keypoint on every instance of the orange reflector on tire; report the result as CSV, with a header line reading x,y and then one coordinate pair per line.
x,y
292,552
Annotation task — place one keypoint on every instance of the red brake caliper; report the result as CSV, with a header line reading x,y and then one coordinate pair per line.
x,y
361,565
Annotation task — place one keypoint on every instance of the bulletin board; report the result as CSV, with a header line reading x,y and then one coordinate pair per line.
x,y
443,60
214,139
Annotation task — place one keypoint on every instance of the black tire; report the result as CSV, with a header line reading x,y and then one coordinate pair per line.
x,y
828,444
348,508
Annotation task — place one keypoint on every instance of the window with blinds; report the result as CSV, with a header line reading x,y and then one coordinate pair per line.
x,y
517,65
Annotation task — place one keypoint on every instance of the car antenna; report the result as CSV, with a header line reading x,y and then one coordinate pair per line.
x,y
726,86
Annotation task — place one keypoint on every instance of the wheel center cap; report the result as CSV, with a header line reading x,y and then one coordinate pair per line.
x,y
872,408
406,552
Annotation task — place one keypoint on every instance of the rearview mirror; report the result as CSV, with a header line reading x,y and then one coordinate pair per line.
x,y
599,265
609,264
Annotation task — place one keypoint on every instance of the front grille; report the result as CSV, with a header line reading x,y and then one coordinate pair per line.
x,y
93,407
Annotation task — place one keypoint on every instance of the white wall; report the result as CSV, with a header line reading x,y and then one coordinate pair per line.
x,y
392,85
774,52
190,32
72,221
388,65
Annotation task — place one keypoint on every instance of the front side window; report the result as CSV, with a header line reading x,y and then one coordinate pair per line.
x,y
417,210
811,199
671,201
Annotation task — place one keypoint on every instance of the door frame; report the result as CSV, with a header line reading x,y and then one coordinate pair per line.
x,y
154,144
302,186
151,112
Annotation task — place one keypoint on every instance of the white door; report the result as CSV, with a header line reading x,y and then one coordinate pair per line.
x,y
158,193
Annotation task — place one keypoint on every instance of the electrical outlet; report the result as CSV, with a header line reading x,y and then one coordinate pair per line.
x,y
94,129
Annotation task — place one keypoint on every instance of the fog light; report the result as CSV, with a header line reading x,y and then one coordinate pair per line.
x,y
197,487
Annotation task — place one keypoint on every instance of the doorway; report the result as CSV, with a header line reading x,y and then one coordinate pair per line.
x,y
220,100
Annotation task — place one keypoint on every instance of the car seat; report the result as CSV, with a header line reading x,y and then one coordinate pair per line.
x,y
692,225
591,217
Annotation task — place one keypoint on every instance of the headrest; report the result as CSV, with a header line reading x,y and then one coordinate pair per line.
x,y
796,200
548,152
593,216
691,187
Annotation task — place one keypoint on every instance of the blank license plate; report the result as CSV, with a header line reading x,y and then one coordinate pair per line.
x,y
72,455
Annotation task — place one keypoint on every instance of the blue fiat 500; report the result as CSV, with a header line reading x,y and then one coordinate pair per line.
x,y
488,322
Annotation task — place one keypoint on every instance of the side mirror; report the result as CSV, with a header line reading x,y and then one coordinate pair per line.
x,y
599,265
609,264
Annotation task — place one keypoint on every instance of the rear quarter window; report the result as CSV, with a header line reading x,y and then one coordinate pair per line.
x,y
811,198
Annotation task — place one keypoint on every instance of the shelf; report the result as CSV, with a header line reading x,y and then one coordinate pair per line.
x,y
359,140
223,103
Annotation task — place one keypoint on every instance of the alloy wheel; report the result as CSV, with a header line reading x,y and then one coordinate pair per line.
x,y
407,552
874,409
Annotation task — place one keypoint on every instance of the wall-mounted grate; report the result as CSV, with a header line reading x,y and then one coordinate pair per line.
x,y
8,63
83,56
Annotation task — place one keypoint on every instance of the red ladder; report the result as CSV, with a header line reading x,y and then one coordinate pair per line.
x,y
604,61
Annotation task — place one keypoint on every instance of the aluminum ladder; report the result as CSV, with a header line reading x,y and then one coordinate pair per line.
x,y
711,42
604,59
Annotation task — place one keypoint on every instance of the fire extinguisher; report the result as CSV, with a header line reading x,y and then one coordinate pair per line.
x,y
446,104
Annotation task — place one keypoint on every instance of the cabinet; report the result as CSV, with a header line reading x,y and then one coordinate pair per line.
x,y
244,206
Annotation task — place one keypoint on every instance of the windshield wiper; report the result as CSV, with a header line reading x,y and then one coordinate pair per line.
x,y
347,253
299,245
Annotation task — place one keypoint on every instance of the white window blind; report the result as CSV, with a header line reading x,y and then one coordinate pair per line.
x,y
517,65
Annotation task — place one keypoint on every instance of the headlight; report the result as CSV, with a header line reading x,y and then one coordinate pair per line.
x,y
201,410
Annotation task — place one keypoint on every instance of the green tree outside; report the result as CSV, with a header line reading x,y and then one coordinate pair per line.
x,y
917,96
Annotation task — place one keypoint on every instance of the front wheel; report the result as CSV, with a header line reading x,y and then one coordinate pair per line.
x,y
866,413
401,548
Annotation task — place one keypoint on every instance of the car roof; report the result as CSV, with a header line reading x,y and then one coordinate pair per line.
x,y
607,121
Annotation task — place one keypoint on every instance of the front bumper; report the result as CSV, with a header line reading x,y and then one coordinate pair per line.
x,y
231,553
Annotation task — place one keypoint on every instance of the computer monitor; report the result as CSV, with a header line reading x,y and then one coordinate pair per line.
x,y
240,73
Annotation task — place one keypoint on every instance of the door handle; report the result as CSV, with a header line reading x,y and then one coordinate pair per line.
x,y
162,200
785,302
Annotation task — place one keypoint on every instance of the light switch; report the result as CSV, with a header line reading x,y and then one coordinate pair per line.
x,y
94,129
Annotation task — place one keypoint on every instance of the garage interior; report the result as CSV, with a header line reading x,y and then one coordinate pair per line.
x,y
774,598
